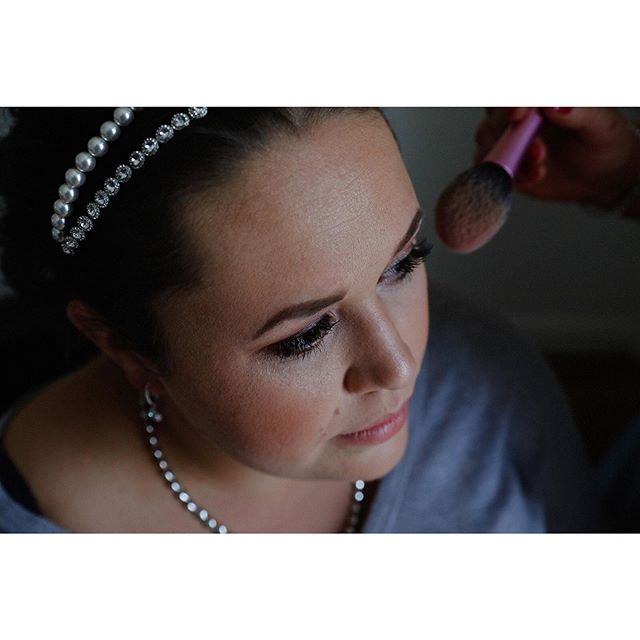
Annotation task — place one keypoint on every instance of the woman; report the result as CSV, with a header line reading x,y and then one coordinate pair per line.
x,y
257,283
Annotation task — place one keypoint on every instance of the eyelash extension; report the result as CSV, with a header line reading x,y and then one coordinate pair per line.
x,y
412,260
302,344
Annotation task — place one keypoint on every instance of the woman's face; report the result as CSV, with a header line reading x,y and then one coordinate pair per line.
x,y
304,328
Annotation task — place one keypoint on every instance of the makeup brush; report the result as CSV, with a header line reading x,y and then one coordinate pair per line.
x,y
471,210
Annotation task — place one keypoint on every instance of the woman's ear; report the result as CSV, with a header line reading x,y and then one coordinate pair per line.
x,y
136,369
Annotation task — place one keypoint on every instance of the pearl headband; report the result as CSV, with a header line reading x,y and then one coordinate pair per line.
x,y
85,161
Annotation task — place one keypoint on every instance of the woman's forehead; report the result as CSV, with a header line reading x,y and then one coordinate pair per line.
x,y
294,216
306,191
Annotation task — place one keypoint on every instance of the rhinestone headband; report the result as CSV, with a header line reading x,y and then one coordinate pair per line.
x,y
85,161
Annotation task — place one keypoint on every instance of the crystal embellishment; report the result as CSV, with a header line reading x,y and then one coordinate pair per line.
x,y
150,146
86,161
164,133
69,245
93,210
123,173
77,233
111,186
136,159
85,223
150,411
197,112
101,198
179,121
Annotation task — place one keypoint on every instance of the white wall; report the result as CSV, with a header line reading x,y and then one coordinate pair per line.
x,y
569,277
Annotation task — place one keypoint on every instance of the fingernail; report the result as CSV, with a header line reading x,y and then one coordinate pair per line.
x,y
563,110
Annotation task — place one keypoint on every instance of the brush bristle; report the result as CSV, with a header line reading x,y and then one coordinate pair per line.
x,y
471,210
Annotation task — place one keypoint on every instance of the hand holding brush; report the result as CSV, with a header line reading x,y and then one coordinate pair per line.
x,y
471,210
588,155
585,155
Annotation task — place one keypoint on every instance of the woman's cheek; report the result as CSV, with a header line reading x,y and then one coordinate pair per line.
x,y
277,420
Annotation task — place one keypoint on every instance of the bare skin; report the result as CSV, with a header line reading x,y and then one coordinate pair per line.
x,y
255,437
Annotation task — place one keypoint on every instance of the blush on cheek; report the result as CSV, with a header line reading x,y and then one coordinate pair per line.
x,y
276,429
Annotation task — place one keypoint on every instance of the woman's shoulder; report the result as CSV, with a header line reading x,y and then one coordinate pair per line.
x,y
487,394
52,417
64,437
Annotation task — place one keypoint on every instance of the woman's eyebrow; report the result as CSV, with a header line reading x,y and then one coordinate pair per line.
x,y
413,227
309,307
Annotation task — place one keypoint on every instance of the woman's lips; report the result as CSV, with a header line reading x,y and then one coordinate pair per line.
x,y
381,431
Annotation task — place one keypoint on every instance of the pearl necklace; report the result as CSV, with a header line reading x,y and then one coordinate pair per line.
x,y
152,417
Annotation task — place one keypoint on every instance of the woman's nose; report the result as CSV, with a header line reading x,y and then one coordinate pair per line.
x,y
382,360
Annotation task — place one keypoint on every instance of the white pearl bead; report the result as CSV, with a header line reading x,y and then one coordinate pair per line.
x,y
57,222
63,209
67,193
109,131
123,116
85,162
97,147
74,177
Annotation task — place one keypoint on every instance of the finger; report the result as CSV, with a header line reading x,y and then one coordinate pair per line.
x,y
586,119
534,178
518,113
485,136
529,167
500,117
530,175
522,175
537,151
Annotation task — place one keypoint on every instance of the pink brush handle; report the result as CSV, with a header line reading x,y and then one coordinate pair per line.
x,y
510,148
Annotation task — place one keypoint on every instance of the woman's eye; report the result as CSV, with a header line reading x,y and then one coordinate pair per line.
x,y
311,339
401,269
306,341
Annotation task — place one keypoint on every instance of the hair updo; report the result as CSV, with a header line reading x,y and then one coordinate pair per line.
x,y
138,248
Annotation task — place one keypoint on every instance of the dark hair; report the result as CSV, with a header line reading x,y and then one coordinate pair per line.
x,y
139,247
